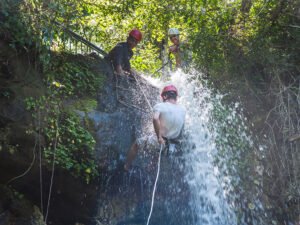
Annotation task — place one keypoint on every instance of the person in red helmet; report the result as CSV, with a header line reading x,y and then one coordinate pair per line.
x,y
121,54
168,123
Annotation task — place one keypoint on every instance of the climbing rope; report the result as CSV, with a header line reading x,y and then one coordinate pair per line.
x,y
159,157
40,162
154,188
123,102
28,169
147,100
52,175
36,141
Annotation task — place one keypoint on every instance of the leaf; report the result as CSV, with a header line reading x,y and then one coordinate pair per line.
x,y
251,206
88,170
57,84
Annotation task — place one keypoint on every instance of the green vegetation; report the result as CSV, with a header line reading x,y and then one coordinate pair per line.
x,y
240,160
227,36
72,78
67,137
253,42
74,146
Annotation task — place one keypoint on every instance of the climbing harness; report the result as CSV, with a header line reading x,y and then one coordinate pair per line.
x,y
156,179
171,147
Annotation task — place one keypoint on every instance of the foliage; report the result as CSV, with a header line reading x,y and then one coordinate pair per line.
x,y
227,36
83,104
14,25
4,141
72,77
67,141
251,40
239,163
74,148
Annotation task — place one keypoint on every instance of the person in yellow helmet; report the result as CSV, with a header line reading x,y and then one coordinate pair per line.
x,y
179,49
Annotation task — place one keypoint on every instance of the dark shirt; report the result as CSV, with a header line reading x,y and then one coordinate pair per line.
x,y
120,55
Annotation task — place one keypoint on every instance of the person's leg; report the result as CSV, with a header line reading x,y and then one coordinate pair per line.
x,y
131,155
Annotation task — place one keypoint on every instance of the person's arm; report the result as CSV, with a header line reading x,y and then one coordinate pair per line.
x,y
117,54
173,49
133,72
156,124
119,70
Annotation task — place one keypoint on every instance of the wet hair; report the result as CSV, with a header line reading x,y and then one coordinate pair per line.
x,y
169,95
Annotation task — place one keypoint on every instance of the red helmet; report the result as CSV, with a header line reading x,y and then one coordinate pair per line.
x,y
169,88
136,34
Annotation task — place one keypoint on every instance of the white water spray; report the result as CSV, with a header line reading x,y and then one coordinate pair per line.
x,y
208,199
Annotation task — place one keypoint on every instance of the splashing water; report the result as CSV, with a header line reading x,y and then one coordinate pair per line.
x,y
195,189
209,189
208,198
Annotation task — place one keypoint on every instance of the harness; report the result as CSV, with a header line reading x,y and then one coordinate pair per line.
x,y
172,146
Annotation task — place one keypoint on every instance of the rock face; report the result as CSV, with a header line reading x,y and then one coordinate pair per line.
x,y
120,117
123,114
15,209
126,196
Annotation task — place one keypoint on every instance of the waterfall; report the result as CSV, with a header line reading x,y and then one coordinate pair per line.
x,y
208,200
203,186
213,200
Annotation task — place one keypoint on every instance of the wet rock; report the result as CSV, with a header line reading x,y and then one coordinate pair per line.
x,y
115,131
15,209
12,112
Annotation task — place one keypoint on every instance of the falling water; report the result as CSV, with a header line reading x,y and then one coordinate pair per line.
x,y
204,186
209,201
211,196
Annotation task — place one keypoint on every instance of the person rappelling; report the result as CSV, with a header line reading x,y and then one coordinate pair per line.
x,y
168,123
121,54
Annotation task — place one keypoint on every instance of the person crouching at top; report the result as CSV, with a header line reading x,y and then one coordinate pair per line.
x,y
121,54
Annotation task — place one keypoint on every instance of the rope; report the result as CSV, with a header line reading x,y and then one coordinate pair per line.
x,y
52,175
29,168
40,163
37,139
154,188
122,102
147,100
